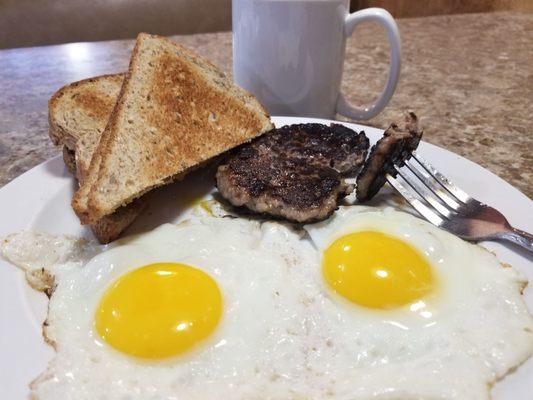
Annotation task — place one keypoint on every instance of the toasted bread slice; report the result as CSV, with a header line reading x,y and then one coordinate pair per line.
x,y
175,111
78,114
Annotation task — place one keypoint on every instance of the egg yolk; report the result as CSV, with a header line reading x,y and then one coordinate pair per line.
x,y
159,310
376,270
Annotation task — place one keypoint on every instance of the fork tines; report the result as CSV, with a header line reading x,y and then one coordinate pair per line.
x,y
427,190
445,182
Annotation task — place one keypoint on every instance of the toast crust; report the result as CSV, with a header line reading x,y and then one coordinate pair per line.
x,y
109,227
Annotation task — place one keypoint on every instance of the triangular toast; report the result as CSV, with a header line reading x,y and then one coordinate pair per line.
x,y
175,111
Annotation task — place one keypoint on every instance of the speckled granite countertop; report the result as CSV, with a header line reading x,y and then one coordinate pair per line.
x,y
469,77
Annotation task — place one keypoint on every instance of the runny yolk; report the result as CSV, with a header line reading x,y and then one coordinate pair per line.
x,y
159,310
376,270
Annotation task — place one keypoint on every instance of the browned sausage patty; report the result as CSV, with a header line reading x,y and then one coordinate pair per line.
x,y
295,172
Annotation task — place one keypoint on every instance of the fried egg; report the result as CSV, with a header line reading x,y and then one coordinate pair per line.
x,y
411,311
203,309
370,304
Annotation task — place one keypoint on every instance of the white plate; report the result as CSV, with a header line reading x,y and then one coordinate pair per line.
x,y
40,199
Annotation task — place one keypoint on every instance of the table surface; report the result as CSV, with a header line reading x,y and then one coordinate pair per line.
x,y
469,78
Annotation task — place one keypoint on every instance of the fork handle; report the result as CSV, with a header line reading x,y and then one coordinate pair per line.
x,y
518,237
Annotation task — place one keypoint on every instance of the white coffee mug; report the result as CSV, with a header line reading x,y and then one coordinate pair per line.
x,y
290,55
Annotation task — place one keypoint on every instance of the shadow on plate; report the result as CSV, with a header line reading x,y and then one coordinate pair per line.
x,y
173,202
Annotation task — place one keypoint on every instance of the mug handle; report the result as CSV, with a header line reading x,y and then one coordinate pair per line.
x,y
382,17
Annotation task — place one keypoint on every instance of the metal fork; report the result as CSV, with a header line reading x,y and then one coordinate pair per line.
x,y
448,207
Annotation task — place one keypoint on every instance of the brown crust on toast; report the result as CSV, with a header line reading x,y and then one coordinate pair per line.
x,y
109,227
